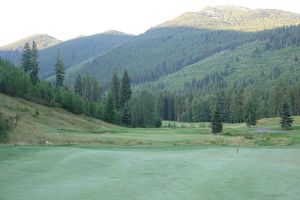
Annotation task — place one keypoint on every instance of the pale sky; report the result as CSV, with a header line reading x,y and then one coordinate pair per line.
x,y
66,19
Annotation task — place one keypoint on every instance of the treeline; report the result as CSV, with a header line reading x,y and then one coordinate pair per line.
x,y
233,102
14,82
137,111
87,97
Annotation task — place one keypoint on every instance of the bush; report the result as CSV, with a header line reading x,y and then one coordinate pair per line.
x,y
36,113
3,128
158,123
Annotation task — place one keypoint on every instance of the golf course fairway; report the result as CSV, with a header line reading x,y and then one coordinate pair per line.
x,y
129,173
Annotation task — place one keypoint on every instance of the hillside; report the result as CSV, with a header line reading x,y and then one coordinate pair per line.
x,y
13,51
243,65
54,125
172,46
234,18
73,51
80,49
42,41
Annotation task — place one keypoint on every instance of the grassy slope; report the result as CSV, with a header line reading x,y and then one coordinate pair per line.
x,y
52,124
41,172
247,67
58,126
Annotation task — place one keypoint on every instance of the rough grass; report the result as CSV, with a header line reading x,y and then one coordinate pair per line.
x,y
58,126
49,172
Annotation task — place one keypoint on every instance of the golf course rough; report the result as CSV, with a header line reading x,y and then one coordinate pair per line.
x,y
193,173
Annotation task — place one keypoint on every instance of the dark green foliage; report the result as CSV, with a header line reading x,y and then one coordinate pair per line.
x,y
115,90
125,89
59,71
161,52
34,64
26,58
88,87
158,122
286,119
15,82
78,85
110,111
125,115
78,50
3,128
216,123
250,115
296,58
142,110
73,51
30,63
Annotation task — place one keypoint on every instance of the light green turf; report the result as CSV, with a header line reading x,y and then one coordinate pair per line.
x,y
49,172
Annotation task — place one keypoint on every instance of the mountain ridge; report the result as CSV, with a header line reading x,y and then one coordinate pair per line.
x,y
234,18
42,41
164,49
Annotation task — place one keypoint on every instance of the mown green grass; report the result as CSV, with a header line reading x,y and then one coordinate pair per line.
x,y
53,172
84,158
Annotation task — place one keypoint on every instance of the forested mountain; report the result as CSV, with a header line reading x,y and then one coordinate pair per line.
x,y
260,63
234,18
73,51
42,41
174,45
14,50
80,49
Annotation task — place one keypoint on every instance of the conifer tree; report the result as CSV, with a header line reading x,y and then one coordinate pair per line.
x,y
125,89
109,112
26,58
34,64
216,124
115,90
96,93
125,115
59,71
250,114
78,85
286,120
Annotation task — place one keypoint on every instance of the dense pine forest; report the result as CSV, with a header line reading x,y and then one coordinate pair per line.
x,y
116,106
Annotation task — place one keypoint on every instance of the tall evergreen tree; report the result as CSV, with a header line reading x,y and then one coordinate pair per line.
x,y
125,115
96,93
125,89
78,85
250,115
109,112
34,64
115,90
286,120
59,71
216,123
26,58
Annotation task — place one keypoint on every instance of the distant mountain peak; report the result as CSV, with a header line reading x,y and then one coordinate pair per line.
x,y
114,32
234,18
226,7
42,41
